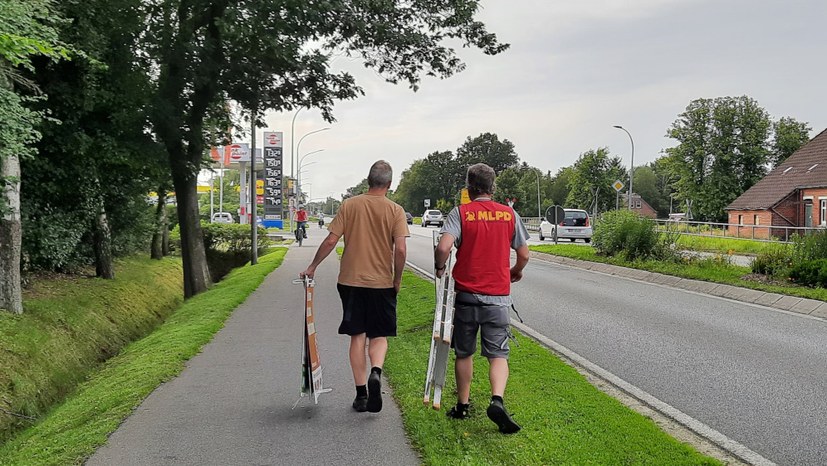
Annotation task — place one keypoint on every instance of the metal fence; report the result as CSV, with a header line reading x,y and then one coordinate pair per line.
x,y
768,233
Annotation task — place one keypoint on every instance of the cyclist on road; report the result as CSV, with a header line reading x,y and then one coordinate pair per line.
x,y
301,221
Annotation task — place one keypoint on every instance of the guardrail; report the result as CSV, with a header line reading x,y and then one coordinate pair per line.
x,y
766,233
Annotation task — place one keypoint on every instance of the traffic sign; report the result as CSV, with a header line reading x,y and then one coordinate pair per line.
x,y
555,214
618,185
427,203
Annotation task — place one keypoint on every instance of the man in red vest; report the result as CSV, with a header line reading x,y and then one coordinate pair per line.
x,y
484,233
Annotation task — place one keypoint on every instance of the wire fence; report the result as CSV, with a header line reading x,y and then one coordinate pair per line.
x,y
766,233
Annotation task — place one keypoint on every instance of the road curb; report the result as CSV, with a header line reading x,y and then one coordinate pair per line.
x,y
812,307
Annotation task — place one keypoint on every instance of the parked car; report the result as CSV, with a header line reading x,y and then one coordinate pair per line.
x,y
222,217
432,217
409,217
576,225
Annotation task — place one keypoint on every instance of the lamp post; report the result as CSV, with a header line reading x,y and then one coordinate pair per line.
x,y
299,172
632,168
298,149
539,212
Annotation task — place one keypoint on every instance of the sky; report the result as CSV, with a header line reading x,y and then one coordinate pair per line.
x,y
575,69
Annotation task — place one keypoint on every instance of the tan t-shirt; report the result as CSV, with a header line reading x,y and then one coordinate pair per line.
x,y
369,223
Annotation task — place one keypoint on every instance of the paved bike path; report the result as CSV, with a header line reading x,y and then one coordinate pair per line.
x,y
233,402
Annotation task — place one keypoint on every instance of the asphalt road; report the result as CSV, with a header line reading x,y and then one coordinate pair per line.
x,y
757,375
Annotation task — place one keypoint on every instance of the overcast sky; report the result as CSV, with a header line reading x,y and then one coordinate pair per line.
x,y
574,69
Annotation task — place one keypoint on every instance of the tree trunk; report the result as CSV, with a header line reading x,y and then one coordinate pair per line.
x,y
196,273
160,225
102,239
10,236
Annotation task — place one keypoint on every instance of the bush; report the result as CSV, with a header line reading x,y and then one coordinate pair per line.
x,y
774,262
810,273
621,232
810,246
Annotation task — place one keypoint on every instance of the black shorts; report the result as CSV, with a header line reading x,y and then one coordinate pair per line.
x,y
368,310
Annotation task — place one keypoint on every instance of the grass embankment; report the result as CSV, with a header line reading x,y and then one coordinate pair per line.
x,y
724,245
711,270
70,325
565,419
72,431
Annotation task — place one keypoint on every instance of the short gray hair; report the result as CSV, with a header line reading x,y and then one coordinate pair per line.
x,y
380,175
480,179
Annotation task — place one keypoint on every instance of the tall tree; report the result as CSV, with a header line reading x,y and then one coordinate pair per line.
x,y
648,187
273,54
487,148
360,188
27,30
507,186
590,185
788,136
722,151
559,190
97,160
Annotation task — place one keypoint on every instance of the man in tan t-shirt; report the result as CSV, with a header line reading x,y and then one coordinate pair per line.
x,y
374,229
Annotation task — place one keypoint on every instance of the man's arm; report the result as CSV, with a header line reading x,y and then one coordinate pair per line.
x,y
400,254
328,245
441,253
522,260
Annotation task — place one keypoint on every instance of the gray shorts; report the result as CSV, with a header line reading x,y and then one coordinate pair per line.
x,y
493,324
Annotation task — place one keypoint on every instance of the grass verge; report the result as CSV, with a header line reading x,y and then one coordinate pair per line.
x,y
70,325
711,270
724,245
565,419
73,431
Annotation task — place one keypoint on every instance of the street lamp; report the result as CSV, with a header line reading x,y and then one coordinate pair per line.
x,y
632,168
301,161
539,213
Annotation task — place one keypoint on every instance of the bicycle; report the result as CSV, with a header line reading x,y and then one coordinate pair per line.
x,y
300,234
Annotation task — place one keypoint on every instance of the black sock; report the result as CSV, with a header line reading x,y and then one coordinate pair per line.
x,y
361,391
377,370
462,406
497,398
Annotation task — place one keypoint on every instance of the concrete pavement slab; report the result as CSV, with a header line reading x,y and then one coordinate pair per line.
x,y
233,402
806,306
723,290
698,286
745,294
768,299
820,311
787,302
668,280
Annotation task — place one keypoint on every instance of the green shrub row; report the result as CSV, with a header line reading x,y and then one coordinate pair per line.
x,y
801,262
624,233
70,325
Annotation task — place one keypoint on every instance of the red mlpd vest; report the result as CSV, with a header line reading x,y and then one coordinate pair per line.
x,y
483,259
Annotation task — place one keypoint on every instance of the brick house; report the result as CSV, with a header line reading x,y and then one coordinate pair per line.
x,y
794,194
642,208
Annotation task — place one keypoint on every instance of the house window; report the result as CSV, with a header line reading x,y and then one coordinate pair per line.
x,y
740,220
823,212
756,220
637,204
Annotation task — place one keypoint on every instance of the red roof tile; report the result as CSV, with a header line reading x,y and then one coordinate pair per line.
x,y
805,168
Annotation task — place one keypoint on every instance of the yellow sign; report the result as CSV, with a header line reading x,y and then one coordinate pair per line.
x,y
618,185
260,187
464,197
203,189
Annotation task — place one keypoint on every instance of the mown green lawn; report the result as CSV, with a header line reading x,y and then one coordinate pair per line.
x,y
716,270
725,245
565,419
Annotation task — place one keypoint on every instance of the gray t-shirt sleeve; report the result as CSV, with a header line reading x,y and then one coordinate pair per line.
x,y
520,233
452,225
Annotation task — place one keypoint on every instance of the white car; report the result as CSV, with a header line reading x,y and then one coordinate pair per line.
x,y
222,217
432,217
576,225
